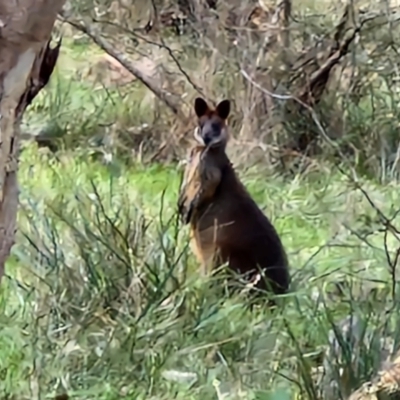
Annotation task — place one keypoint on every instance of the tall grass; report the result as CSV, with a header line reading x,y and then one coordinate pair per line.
x,y
103,300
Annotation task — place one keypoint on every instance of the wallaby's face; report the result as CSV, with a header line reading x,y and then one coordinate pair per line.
x,y
212,130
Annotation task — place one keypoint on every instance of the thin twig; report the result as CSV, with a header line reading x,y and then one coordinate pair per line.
x,y
387,222
127,64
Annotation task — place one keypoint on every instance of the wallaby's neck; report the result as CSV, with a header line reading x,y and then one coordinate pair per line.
x,y
222,161
229,178
219,154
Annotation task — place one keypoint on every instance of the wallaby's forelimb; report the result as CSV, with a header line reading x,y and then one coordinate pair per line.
x,y
199,184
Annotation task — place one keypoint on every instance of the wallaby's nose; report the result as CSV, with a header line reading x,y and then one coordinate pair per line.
x,y
207,139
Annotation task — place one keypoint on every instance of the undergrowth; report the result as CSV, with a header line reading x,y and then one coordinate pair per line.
x,y
102,298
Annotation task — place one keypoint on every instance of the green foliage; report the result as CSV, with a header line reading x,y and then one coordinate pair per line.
x,y
102,298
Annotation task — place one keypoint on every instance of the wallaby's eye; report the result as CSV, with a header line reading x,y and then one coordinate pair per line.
x,y
215,127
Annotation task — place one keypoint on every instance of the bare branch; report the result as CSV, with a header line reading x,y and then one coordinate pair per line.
x,y
121,58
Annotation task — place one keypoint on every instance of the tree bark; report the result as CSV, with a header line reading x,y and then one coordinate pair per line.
x,y
26,63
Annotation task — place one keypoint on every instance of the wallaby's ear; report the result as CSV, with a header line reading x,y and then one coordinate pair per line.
x,y
223,109
200,107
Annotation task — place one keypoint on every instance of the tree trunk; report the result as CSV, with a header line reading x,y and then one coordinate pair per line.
x,y
26,63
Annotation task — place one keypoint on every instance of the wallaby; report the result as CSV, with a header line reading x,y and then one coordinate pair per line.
x,y
226,224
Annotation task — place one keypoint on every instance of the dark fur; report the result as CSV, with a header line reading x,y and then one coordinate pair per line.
x,y
252,245
225,221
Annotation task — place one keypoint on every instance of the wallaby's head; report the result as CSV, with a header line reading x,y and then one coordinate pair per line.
x,y
212,130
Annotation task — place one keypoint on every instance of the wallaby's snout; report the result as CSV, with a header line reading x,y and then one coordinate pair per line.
x,y
211,132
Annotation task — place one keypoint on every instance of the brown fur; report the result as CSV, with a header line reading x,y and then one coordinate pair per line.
x,y
225,222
